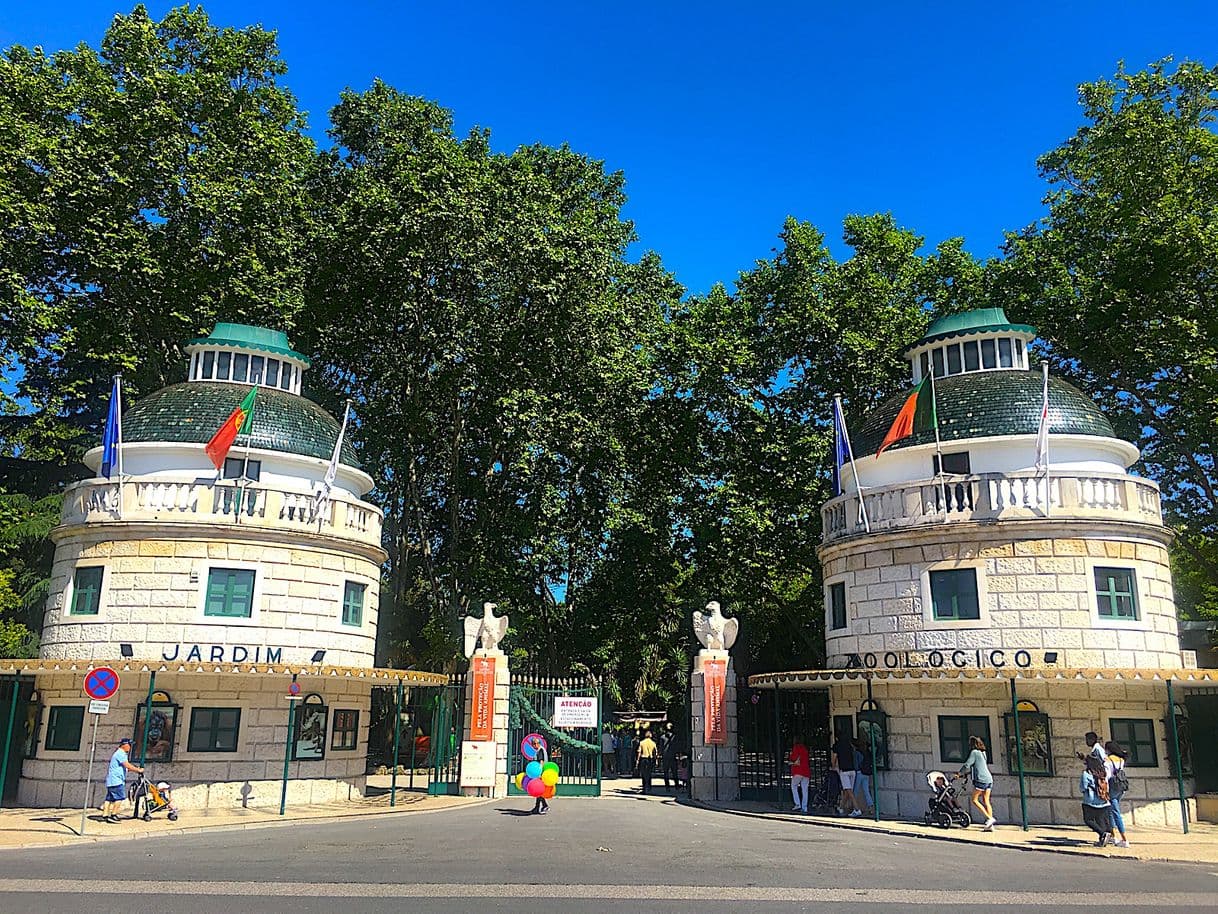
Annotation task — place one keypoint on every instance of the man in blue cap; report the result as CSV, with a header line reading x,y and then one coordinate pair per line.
x,y
116,780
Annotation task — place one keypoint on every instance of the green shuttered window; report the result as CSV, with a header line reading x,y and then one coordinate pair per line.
x,y
86,590
353,603
230,593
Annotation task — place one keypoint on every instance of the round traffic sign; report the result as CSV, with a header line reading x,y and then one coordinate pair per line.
x,y
294,688
101,683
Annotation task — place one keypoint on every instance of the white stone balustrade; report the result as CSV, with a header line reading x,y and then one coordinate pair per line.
x,y
991,497
96,501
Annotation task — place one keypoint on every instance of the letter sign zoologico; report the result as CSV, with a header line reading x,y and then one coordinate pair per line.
x,y
714,688
482,716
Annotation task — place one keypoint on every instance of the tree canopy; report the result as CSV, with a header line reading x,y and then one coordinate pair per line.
x,y
551,421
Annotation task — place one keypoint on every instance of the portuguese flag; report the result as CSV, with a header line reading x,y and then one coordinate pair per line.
x,y
917,415
236,424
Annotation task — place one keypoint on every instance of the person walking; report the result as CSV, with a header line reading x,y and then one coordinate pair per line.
x,y
1095,747
865,771
843,752
668,756
1097,808
625,754
116,780
1118,784
608,752
645,763
801,774
541,756
977,768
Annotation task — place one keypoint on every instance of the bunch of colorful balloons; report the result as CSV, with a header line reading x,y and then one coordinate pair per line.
x,y
539,779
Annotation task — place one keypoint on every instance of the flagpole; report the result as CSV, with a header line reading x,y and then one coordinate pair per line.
x,y
245,463
1045,408
934,409
840,415
118,413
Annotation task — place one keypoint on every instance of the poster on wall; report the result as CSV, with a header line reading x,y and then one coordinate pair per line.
x,y
714,678
477,764
310,744
482,712
162,725
575,711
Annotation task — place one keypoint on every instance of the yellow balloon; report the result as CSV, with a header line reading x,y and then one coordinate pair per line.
x,y
549,778
520,781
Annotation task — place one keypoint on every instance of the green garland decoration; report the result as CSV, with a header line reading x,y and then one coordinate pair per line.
x,y
519,709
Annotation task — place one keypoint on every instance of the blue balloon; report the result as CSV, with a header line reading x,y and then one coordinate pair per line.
x,y
533,770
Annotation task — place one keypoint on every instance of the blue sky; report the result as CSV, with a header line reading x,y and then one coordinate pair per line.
x,y
727,117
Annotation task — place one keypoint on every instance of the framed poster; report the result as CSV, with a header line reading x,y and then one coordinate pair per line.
x,y
162,726
309,743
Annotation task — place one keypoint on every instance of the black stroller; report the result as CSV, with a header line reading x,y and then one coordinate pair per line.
x,y
943,809
157,798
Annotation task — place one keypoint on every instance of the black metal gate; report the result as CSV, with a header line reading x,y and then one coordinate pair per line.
x,y
1199,740
768,720
444,743
576,750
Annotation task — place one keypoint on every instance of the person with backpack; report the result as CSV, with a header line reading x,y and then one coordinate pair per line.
x,y
1118,785
1097,808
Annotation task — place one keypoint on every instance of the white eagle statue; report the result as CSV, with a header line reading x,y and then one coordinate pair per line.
x,y
490,628
715,631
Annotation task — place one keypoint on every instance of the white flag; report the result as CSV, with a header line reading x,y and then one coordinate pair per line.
x,y
327,482
1042,433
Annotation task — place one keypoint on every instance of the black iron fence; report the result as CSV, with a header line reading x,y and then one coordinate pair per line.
x,y
768,720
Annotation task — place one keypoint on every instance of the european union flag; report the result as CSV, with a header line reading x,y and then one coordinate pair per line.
x,y
112,439
841,449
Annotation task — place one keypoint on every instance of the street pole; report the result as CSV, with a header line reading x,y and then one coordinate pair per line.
x,y
1023,792
600,756
89,776
397,736
413,741
778,759
147,719
287,751
8,734
1175,742
875,762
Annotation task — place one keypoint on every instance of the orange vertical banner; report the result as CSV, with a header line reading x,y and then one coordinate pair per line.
x,y
482,715
714,680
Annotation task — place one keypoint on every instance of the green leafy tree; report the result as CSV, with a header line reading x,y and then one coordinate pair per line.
x,y
1119,279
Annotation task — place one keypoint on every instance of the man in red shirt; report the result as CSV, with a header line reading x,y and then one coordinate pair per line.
x,y
801,773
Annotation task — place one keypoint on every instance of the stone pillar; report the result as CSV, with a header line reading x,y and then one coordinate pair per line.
x,y
503,685
707,761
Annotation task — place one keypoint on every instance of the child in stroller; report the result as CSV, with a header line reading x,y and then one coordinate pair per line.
x,y
942,808
157,797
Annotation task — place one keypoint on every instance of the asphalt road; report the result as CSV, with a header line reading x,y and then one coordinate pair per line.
x,y
614,854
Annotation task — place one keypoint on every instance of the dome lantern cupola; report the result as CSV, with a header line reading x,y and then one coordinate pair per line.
x,y
241,354
980,340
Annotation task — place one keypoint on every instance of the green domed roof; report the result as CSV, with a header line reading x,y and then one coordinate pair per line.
x,y
244,336
191,412
967,323
988,404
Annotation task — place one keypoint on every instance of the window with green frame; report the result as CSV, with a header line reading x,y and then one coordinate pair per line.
x,y
64,724
86,590
1137,736
954,733
214,730
1036,738
230,593
953,595
837,605
353,603
345,734
1116,593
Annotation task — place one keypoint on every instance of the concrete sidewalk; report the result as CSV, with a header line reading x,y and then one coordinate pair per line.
x,y
1200,845
26,828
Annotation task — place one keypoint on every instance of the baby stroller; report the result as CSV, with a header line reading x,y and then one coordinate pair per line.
x,y
157,797
824,798
942,808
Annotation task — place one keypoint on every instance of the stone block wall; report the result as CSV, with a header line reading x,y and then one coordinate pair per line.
x,y
154,587
714,770
499,725
1074,708
1036,593
251,776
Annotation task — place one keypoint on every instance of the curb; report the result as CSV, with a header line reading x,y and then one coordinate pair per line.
x,y
957,838
78,840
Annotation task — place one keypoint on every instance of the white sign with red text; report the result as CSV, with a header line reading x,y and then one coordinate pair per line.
x,y
575,711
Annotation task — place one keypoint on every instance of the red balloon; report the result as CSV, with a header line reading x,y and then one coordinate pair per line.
x,y
535,788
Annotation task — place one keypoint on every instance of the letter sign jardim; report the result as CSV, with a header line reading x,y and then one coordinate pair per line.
x,y
482,714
